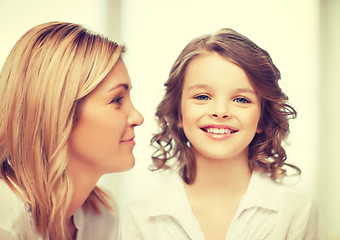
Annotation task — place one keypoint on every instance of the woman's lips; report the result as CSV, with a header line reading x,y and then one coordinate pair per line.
x,y
129,141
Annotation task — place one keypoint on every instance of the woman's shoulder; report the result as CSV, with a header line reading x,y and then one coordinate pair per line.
x,y
11,205
14,215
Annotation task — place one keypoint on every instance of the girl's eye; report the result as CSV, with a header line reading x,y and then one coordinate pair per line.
x,y
117,100
202,97
242,100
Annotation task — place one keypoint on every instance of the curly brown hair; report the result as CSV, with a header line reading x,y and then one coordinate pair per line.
x,y
265,151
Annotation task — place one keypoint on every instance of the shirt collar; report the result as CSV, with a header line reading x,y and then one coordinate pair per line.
x,y
170,197
262,192
172,200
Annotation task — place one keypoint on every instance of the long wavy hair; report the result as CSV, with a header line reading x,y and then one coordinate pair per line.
x,y
48,73
265,151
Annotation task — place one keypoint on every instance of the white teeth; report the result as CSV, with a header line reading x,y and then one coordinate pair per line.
x,y
218,130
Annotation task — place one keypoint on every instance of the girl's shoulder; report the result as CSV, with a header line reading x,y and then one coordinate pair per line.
x,y
286,187
298,202
164,196
93,225
283,197
290,192
298,212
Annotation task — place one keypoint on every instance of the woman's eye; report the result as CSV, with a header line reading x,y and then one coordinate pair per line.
x,y
242,100
117,100
202,97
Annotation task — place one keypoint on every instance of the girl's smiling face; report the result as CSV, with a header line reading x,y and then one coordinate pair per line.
x,y
220,108
102,138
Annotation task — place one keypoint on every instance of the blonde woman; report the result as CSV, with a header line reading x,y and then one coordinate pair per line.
x,y
66,119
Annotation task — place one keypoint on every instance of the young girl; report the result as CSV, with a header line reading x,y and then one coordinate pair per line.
x,y
66,119
223,118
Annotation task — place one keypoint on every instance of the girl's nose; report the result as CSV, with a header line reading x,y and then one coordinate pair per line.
x,y
220,110
220,115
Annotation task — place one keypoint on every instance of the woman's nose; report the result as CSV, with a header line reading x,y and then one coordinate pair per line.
x,y
135,118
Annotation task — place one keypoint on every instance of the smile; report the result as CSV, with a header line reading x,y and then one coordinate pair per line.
x,y
219,133
219,130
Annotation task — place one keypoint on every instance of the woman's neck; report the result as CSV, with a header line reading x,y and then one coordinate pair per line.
x,y
83,181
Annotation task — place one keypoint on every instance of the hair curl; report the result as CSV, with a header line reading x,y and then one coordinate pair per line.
x,y
265,150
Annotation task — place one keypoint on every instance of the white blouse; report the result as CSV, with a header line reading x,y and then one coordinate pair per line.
x,y
267,210
16,223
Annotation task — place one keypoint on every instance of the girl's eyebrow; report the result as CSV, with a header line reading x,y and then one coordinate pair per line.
x,y
205,86
124,85
199,86
246,90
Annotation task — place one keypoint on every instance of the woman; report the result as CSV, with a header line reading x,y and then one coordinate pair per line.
x,y
66,119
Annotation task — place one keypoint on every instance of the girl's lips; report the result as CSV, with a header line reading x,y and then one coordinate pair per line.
x,y
218,132
219,136
214,128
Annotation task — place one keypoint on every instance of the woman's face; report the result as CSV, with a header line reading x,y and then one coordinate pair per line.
x,y
103,136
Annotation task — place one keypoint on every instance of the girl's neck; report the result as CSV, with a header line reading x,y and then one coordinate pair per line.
x,y
217,191
221,175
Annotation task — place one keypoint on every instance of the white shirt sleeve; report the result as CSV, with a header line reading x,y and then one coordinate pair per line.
x,y
300,217
315,226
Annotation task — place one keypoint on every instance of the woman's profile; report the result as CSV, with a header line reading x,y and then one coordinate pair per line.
x,y
66,119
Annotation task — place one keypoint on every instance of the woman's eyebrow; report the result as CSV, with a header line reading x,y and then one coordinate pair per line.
x,y
124,85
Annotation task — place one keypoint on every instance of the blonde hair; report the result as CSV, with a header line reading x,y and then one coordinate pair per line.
x,y
47,74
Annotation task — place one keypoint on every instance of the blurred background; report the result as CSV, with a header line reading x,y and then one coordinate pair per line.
x,y
301,36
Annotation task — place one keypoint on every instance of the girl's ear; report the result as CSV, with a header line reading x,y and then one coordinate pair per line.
x,y
259,130
260,125
179,124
